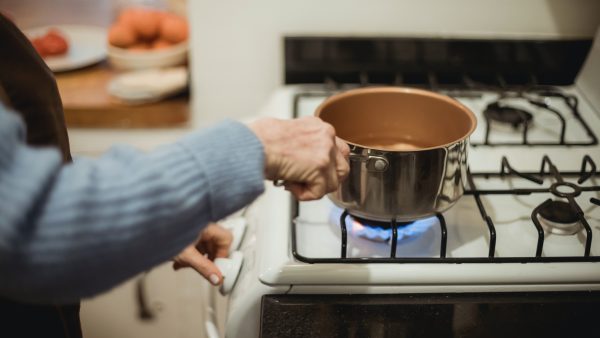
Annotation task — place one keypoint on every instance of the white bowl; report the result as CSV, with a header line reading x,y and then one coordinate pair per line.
x,y
140,59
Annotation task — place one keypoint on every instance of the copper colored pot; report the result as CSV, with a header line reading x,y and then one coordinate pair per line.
x,y
408,147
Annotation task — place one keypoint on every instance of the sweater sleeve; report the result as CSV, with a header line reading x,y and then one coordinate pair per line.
x,y
72,231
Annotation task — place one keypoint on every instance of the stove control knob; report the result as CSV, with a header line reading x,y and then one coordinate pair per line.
x,y
230,269
237,226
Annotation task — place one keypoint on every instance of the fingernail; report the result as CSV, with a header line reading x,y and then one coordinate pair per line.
x,y
214,279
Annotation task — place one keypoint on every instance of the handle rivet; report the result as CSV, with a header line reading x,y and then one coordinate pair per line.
x,y
379,164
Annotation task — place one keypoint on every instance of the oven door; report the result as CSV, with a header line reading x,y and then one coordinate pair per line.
x,y
502,315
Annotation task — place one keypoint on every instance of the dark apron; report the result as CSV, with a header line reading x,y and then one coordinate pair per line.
x,y
28,86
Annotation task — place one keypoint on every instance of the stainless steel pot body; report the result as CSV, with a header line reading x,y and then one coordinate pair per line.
x,y
408,151
385,185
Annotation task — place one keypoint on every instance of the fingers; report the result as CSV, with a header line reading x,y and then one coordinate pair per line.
x,y
342,154
333,168
222,252
337,164
215,241
191,257
303,152
332,174
303,192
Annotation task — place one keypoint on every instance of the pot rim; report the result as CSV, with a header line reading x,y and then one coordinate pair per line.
x,y
403,90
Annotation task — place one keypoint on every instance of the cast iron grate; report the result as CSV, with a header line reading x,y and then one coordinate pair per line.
x,y
534,95
559,188
522,118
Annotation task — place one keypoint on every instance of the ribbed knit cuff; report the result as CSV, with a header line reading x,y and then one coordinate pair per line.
x,y
233,160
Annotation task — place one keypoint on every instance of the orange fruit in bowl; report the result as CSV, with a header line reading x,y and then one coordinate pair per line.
x,y
161,44
140,29
145,22
173,28
121,35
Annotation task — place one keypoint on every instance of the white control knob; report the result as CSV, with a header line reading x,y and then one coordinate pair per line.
x,y
237,226
230,269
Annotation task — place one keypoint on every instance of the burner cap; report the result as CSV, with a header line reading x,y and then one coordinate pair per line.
x,y
507,114
558,218
565,189
559,212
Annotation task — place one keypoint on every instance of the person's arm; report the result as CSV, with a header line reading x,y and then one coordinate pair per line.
x,y
304,153
72,231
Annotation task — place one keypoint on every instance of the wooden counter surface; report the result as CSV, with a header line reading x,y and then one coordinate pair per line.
x,y
87,103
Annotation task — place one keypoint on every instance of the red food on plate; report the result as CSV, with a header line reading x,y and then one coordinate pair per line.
x,y
51,44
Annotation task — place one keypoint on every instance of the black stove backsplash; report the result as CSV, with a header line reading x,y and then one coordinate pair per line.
x,y
433,62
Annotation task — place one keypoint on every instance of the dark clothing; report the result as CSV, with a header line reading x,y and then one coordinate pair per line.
x,y
28,86
21,320
31,89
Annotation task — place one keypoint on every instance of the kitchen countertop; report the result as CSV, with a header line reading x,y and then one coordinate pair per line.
x,y
95,123
87,103
93,141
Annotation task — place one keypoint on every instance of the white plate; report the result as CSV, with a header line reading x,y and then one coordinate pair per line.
x,y
87,45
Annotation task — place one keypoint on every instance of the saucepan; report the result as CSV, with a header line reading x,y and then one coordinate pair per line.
x,y
408,151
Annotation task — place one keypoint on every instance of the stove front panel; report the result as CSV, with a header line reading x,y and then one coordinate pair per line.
x,y
527,315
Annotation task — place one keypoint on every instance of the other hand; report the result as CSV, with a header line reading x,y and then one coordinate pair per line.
x,y
214,242
305,153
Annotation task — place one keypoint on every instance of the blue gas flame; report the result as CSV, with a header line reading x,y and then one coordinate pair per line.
x,y
406,233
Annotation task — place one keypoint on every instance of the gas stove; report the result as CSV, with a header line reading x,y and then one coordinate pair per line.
x,y
531,122
524,203
526,233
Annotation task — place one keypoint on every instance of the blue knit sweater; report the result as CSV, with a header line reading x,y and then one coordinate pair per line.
x,y
70,231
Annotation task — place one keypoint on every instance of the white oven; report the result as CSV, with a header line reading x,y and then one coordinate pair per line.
x,y
518,255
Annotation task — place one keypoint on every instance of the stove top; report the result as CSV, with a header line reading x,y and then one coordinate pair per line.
x,y
517,211
506,216
529,219
531,207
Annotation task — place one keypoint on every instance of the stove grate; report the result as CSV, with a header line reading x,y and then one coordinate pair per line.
x,y
571,102
568,191
541,92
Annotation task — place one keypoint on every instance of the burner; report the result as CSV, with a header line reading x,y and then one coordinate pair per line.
x,y
558,217
565,189
378,231
380,224
507,114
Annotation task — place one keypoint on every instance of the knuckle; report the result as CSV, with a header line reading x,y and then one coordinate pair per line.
x,y
322,161
328,129
320,190
328,143
334,183
345,148
344,167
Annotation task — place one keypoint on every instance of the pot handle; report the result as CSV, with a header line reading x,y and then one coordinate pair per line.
x,y
375,163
